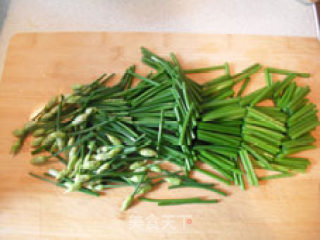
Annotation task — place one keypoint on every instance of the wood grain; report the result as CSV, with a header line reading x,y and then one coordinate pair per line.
x,y
39,65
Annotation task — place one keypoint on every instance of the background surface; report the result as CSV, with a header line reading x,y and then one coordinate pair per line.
x,y
40,65
263,17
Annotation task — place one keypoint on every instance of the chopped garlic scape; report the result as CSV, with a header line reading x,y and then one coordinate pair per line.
x,y
38,109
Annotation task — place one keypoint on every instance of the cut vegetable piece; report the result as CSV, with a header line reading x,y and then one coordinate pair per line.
x,y
287,72
251,176
254,113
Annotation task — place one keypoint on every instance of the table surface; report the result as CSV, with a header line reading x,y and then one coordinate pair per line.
x,y
263,17
40,65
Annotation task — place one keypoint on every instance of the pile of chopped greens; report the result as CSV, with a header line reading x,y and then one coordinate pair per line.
x,y
127,136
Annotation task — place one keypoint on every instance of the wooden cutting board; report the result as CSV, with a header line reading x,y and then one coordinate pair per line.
x,y
40,65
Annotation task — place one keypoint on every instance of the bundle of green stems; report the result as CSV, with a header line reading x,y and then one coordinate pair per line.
x,y
129,136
